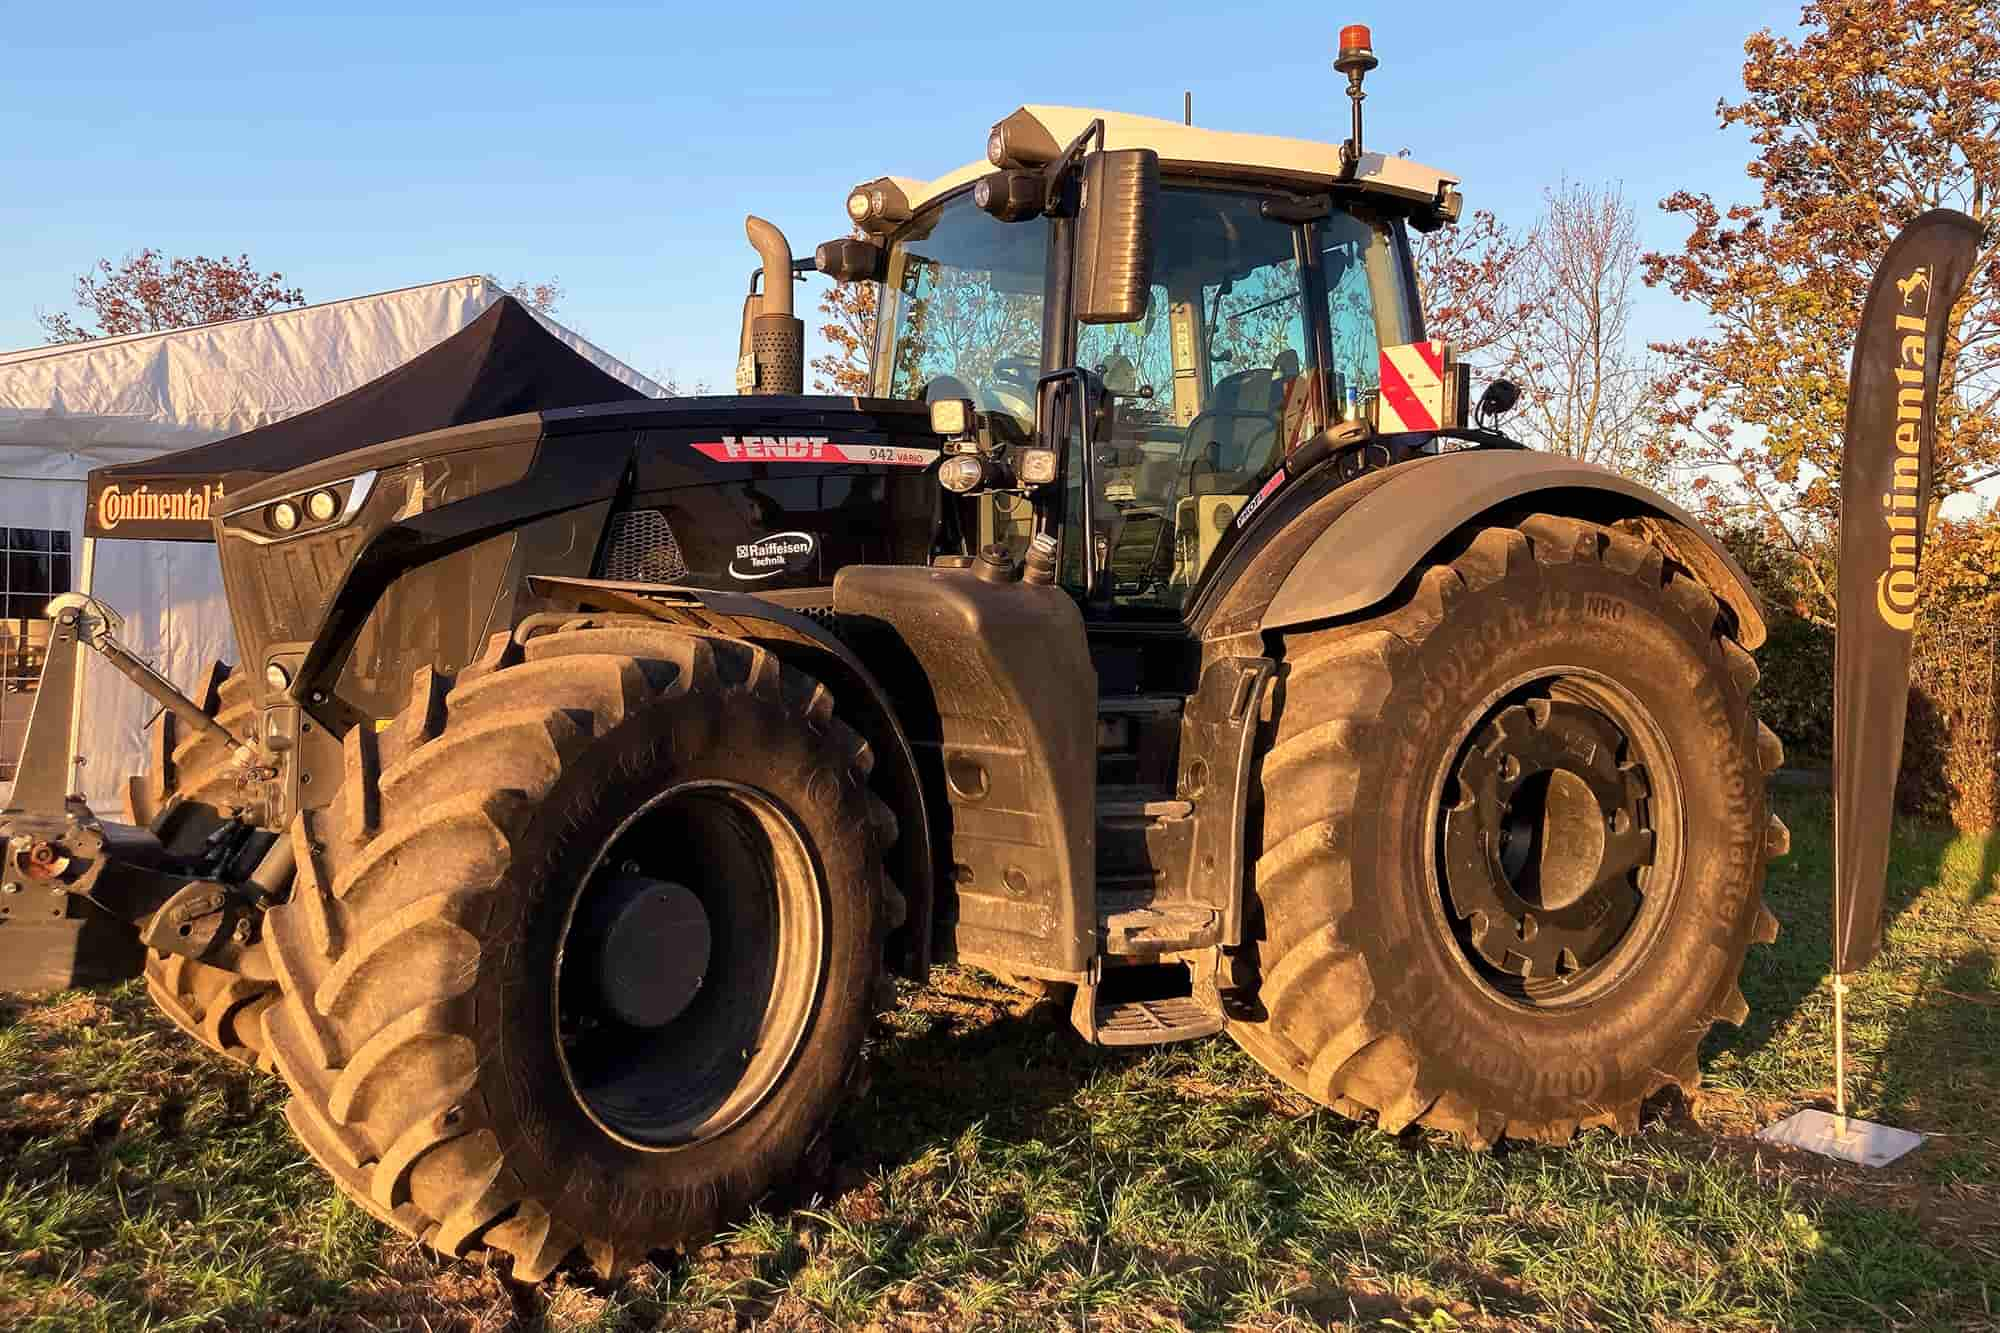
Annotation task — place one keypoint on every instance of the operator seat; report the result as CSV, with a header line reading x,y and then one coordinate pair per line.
x,y
1236,436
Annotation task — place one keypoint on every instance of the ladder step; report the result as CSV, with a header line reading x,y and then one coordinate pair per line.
x,y
1149,1022
1130,926
1139,802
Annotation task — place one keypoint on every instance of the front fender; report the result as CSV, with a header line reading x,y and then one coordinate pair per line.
x,y
1368,547
864,705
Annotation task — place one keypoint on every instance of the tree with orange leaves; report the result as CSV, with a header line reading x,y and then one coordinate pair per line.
x,y
848,367
1882,110
147,292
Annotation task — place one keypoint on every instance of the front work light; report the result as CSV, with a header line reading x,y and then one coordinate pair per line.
x,y
952,417
1011,196
878,206
1021,141
322,505
1036,467
284,516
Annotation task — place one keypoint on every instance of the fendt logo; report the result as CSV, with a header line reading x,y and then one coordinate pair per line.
x,y
809,449
773,448
144,505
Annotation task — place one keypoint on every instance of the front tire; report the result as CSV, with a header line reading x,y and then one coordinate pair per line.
x,y
583,954
192,787
1513,841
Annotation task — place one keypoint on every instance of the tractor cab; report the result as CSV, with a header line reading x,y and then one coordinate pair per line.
x,y
1277,275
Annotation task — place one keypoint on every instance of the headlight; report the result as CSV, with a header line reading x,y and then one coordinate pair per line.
x,y
301,513
277,678
961,473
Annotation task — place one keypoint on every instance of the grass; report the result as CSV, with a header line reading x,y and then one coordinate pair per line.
x,y
998,1173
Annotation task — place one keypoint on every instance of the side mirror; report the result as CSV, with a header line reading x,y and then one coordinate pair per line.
x,y
1500,398
1114,235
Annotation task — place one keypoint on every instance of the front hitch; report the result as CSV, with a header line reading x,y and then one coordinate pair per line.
x,y
80,897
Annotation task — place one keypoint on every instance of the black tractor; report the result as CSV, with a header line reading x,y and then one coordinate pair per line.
x,y
1156,629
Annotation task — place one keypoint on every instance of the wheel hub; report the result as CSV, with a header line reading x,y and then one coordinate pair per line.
x,y
679,1005
646,944
1544,838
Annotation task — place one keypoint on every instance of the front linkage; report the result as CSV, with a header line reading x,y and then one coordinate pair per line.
x,y
81,897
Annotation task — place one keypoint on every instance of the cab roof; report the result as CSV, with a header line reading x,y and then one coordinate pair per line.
x,y
1306,163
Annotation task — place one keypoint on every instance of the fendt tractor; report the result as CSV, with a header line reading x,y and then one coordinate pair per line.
x,y
1163,625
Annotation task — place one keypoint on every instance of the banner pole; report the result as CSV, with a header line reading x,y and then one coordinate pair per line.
x,y
1840,1052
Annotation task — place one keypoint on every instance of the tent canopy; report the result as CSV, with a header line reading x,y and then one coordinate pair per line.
x,y
505,362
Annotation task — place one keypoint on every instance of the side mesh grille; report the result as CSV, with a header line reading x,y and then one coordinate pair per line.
x,y
642,549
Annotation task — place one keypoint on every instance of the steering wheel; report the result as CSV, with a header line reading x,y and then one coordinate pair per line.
x,y
1193,456
1017,372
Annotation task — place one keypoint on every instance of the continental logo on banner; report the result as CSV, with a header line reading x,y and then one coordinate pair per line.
x,y
1896,588
143,504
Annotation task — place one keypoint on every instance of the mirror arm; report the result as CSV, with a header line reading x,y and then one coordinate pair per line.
x,y
1058,171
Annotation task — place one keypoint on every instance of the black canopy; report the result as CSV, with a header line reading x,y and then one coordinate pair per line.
x,y
502,363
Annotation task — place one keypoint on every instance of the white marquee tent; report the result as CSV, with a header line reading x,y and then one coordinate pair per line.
x,y
69,408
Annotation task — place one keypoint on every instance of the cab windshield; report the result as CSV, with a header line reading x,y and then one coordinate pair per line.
x,y
962,314
1258,334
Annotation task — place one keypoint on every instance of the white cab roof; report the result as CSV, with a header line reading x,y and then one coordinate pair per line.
x,y
1306,162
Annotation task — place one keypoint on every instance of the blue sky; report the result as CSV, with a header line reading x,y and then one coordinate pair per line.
x,y
361,147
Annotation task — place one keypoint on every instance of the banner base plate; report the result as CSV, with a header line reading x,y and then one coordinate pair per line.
x,y
1843,1138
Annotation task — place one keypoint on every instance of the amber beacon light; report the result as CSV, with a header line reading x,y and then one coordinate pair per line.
x,y
1356,58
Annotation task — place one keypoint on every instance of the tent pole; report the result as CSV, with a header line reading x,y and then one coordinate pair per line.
x,y
76,695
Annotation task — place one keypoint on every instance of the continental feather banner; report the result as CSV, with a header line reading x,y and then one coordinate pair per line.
x,y
1885,491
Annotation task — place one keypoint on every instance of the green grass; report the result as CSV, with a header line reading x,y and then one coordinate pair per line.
x,y
998,1173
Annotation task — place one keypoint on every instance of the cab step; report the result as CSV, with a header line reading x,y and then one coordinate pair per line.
x,y
1122,1010
1132,921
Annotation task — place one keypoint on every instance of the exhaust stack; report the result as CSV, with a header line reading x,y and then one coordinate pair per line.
x,y
771,354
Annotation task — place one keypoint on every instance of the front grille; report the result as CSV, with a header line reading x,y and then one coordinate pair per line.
x,y
641,549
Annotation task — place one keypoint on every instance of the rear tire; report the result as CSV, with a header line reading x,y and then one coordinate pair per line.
x,y
191,787
428,952
1431,954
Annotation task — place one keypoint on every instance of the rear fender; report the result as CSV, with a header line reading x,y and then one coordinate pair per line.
x,y
1353,548
800,642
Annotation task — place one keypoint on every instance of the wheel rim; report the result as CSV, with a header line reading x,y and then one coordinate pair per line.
x,y
690,965
1557,844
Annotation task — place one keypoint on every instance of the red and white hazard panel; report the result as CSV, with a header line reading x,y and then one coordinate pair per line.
x,y
1413,387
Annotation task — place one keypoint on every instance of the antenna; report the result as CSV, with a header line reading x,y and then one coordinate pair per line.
x,y
1187,107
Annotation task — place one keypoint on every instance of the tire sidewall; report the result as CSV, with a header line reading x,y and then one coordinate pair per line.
x,y
589,1180
1585,618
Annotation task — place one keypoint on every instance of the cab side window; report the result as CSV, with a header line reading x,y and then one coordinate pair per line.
x,y
1358,257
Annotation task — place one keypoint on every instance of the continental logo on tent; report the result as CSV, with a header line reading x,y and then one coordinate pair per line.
x,y
810,449
142,504
1896,588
